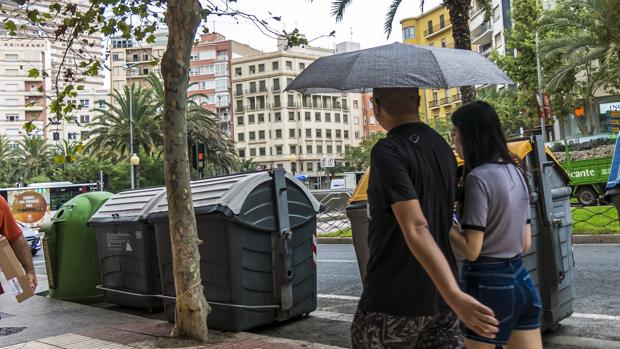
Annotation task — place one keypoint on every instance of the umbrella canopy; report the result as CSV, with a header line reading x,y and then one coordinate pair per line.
x,y
398,65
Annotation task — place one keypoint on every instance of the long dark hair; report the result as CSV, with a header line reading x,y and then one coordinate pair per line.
x,y
481,135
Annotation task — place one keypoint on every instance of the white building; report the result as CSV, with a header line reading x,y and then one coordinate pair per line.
x,y
487,36
285,129
75,130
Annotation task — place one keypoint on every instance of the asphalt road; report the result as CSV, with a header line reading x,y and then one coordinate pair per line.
x,y
595,323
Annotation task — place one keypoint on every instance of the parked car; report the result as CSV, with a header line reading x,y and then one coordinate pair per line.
x,y
32,237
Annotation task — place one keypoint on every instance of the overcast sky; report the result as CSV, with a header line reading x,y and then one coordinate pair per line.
x,y
363,17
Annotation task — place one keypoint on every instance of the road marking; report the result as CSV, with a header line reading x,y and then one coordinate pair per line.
x,y
581,342
330,315
598,245
337,261
596,317
337,296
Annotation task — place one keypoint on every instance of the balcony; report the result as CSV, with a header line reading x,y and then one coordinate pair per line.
x,y
238,92
434,104
445,101
438,29
292,105
239,109
276,88
483,34
221,58
456,98
251,91
262,89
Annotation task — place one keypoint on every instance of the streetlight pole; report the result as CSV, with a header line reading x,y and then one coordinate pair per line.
x,y
131,68
541,95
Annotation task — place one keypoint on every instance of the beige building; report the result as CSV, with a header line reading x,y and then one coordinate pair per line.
x,y
130,61
22,98
75,130
286,129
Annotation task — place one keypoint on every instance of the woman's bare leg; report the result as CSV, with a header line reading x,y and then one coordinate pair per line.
x,y
530,339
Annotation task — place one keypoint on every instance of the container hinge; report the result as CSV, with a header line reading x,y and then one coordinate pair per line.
x,y
284,245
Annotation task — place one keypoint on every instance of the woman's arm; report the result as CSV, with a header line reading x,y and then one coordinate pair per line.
x,y
469,243
527,238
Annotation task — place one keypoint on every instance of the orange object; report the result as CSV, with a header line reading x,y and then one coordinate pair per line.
x,y
29,207
580,112
8,225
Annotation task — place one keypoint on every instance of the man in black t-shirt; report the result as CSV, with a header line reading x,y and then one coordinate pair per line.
x,y
411,298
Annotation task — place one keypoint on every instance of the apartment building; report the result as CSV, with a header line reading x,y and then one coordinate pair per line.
x,y
433,28
288,129
131,61
210,73
75,129
489,35
22,98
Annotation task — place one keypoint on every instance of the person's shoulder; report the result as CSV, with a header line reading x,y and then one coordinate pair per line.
x,y
384,145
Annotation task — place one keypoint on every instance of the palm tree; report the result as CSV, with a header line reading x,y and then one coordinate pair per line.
x,y
584,36
67,152
203,126
34,154
109,134
247,165
6,159
459,16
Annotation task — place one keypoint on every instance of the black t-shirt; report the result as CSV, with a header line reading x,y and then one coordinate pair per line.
x,y
412,162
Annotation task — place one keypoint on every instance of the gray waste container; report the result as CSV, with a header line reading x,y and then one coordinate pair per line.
x,y
127,249
550,259
254,269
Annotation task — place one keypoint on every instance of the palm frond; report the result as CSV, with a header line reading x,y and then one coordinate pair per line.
x,y
338,8
389,17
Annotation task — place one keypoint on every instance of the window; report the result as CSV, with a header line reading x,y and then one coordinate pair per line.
x,y
291,116
328,133
261,68
291,133
330,149
251,119
84,119
278,133
408,33
338,149
288,81
278,150
12,117
241,153
72,136
101,104
261,118
496,14
241,137
206,55
357,134
338,134
276,84
308,133
252,152
292,149
238,89
498,39
289,65
194,56
317,116
237,71
221,69
252,69
278,116
239,120
118,57
442,21
84,103
280,165
309,166
274,66
221,84
276,102
319,149
252,135
328,117
443,43
430,27
262,86
345,118
56,136
261,134
308,116
12,57
337,117
262,152
290,100
253,87
319,134
11,72
221,55
356,120
356,104
302,66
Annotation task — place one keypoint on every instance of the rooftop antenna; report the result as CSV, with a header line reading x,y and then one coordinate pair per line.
x,y
351,28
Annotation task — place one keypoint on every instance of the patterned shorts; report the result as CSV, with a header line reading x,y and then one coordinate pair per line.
x,y
377,330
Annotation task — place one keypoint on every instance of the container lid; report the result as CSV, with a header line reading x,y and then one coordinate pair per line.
x,y
128,206
227,194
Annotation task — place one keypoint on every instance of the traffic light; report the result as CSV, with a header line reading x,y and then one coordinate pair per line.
x,y
199,153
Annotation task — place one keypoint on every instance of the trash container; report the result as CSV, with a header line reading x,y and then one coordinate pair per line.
x,y
258,251
71,250
127,249
612,190
550,259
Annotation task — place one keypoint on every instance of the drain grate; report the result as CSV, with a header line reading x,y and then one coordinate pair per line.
x,y
7,331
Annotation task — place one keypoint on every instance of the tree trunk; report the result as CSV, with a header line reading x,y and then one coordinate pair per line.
x,y
459,16
183,18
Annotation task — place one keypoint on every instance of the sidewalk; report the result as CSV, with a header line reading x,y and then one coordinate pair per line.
x,y
43,323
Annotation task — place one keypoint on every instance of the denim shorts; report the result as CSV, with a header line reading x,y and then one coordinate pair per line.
x,y
505,286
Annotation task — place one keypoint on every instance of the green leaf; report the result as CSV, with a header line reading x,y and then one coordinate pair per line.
x,y
10,26
29,127
55,7
33,73
59,159
33,15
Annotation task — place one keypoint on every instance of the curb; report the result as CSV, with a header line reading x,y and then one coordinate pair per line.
x,y
596,239
577,239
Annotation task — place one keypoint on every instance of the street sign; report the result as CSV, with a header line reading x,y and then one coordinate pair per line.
x,y
327,162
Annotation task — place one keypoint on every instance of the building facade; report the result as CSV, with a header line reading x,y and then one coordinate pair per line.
x,y
287,129
131,61
433,28
76,129
489,35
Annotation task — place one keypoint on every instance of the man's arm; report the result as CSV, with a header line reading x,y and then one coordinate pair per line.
x,y
23,254
476,316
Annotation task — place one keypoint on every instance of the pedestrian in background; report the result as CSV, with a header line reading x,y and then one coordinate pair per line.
x,y
494,230
411,298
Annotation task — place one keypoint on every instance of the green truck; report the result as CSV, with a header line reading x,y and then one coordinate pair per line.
x,y
588,178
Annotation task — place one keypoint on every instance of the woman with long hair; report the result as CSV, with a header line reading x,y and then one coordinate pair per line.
x,y
494,230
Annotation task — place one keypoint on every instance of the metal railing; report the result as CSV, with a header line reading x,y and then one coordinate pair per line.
x,y
446,100
436,29
333,216
433,104
595,219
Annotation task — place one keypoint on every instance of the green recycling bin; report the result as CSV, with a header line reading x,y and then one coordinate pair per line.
x,y
71,250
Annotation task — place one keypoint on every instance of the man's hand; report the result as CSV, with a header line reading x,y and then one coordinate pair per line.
x,y
32,277
474,315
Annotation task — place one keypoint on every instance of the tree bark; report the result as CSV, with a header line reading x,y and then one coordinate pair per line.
x,y
183,18
459,16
